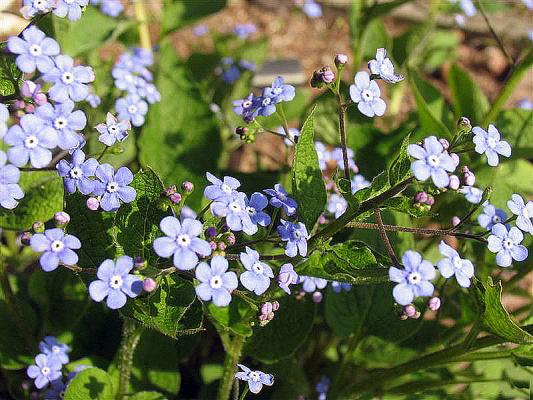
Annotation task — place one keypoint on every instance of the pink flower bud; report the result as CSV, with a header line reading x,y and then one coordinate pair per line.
x,y
19,104
139,262
25,238
213,245
455,220
38,227
275,306
175,198
30,108
93,203
230,239
434,303
444,143
222,246
454,182
149,285
40,99
431,200
266,308
263,317
421,197
187,186
456,159
409,310
317,297
340,60
61,218
469,179
170,190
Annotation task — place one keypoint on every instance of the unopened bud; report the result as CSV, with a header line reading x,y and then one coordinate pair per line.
x,y
175,198
170,190
231,239
139,263
275,306
19,104
322,76
40,99
93,203
464,125
431,200
455,158
263,318
455,220
222,246
444,143
211,232
187,187
149,285
409,310
38,227
469,179
434,303
317,297
341,60
213,245
241,131
25,238
322,220
421,197
454,182
30,108
28,88
61,218
117,149
267,308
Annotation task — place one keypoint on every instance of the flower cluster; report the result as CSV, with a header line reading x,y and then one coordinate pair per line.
x,y
72,9
131,75
264,104
57,247
113,8
48,364
230,70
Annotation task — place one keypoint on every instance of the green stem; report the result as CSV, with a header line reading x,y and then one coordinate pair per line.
x,y
244,393
342,132
102,153
385,238
283,118
493,32
230,367
131,333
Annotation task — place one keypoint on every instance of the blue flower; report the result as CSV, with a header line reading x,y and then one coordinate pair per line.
x,y
4,117
247,64
255,207
383,67
93,100
149,92
231,74
339,286
113,187
366,94
56,248
182,241
506,243
523,211
311,284
200,30
323,155
337,205
31,140
287,276
359,182
322,387
296,237
54,350
216,283
219,188
279,91
472,194
336,155
34,51
412,281
244,30
255,379
453,264
10,191
125,80
69,8
113,130
44,371
132,108
113,8
257,275
69,82
56,391
432,160
64,121
490,144
76,174
292,137
31,8
233,207
280,198
115,282
312,9
468,7
491,216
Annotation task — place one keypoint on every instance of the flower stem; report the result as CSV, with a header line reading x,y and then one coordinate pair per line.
x,y
385,238
342,132
244,393
142,20
131,333
493,32
230,366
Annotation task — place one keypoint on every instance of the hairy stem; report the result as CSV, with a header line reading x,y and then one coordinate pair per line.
x,y
342,131
131,333
385,238
230,366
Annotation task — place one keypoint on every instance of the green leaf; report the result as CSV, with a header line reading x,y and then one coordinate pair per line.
x,y
467,98
13,349
379,184
285,334
400,168
307,182
95,229
180,13
138,222
164,309
350,262
90,384
181,129
405,205
516,127
43,197
148,396
523,355
235,318
495,317
10,75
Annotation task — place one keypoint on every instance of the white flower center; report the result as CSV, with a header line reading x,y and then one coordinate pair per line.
x,y
234,207
183,240
457,262
258,267
132,109
112,187
57,246
225,188
491,142
508,243
296,234
254,376
60,123
31,142
277,91
367,95
250,210
339,206
433,160
67,78
40,5
55,349
116,282
266,101
414,278
246,104
215,282
45,371
76,173
496,219
113,129
35,50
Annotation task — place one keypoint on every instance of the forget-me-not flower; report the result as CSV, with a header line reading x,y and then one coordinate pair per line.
x,y
323,155
132,108
57,247
255,207
30,8
359,182
366,94
30,140
69,8
311,284
216,283
296,237
65,121
246,107
414,280
453,264
489,142
432,161
113,187
113,130
244,30
287,276
312,9
255,379
115,282
279,91
523,211
491,216
337,205
383,67
337,156
280,199
233,208
76,173
340,286
54,349
69,81
34,50
506,243
182,241
220,188
472,194
10,190
257,276
45,370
